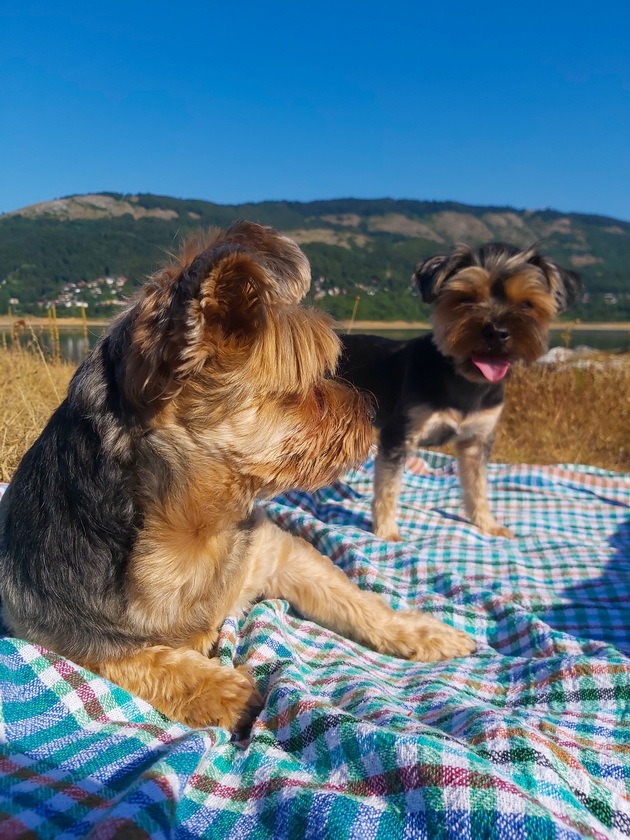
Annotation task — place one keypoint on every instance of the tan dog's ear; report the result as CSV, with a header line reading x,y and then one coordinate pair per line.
x,y
233,295
183,315
163,334
282,258
186,312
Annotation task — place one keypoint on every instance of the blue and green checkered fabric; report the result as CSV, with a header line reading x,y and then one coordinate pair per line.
x,y
527,738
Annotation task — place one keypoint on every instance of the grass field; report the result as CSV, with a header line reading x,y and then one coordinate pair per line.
x,y
552,414
568,415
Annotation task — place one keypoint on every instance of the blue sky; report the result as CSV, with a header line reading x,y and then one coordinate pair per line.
x,y
526,104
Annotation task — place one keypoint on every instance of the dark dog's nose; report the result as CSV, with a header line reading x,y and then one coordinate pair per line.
x,y
495,334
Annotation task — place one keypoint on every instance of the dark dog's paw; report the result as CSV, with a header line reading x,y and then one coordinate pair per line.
x,y
389,533
497,530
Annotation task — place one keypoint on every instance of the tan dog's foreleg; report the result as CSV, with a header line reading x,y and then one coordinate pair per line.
x,y
291,568
184,685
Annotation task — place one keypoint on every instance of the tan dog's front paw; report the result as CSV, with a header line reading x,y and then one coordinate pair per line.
x,y
224,697
420,637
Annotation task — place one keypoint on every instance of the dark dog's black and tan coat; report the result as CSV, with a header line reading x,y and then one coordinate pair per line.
x,y
130,529
491,307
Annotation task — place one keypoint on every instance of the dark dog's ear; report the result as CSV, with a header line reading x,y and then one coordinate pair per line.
x,y
429,276
565,285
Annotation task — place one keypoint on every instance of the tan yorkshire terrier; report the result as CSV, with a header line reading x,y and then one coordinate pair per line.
x,y
130,530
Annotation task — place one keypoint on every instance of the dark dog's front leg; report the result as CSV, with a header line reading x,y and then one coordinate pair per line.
x,y
387,478
473,455
389,466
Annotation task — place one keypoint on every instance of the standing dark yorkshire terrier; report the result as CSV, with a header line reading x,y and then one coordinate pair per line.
x,y
491,307
130,530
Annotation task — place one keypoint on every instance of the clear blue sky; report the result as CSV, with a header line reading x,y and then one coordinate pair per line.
x,y
517,103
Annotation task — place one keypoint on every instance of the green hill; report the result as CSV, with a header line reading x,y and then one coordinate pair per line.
x,y
58,250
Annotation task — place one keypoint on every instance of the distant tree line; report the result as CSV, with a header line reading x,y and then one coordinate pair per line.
x,y
39,255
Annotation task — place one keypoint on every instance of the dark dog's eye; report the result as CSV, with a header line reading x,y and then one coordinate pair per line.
x,y
526,304
464,301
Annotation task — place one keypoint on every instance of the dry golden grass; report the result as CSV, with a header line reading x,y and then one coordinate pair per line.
x,y
552,414
30,388
556,414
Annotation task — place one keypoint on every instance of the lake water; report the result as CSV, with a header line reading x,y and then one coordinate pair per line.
x,y
74,345
597,339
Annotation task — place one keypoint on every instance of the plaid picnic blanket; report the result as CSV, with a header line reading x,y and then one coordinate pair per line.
x,y
527,738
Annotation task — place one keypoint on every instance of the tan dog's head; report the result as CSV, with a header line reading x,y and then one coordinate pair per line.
x,y
493,305
232,377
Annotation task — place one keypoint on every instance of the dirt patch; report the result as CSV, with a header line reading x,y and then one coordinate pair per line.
x,y
562,225
93,207
462,226
508,227
327,236
579,260
343,219
397,223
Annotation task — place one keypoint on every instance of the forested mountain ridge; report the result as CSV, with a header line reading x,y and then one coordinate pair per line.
x,y
95,249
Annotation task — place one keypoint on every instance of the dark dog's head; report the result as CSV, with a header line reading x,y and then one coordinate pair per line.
x,y
492,306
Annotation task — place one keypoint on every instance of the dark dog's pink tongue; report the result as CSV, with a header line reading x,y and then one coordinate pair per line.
x,y
493,368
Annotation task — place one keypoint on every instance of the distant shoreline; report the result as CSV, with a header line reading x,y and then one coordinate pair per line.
x,y
357,326
584,326
39,321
